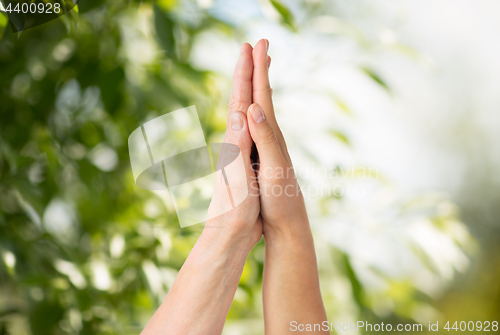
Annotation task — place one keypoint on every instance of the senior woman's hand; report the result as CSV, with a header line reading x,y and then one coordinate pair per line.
x,y
242,226
199,299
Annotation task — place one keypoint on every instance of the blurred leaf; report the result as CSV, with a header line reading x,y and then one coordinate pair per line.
x,y
108,83
340,136
165,31
9,311
340,103
167,5
343,106
286,15
88,5
4,20
357,288
376,78
44,317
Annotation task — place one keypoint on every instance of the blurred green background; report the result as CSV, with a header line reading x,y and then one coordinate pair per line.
x,y
85,251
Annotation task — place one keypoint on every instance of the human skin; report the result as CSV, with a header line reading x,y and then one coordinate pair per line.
x,y
291,290
201,295
199,299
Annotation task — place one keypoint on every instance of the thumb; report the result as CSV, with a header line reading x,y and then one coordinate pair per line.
x,y
238,174
237,133
264,137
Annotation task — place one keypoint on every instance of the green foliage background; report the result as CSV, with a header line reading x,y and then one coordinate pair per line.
x,y
67,90
37,132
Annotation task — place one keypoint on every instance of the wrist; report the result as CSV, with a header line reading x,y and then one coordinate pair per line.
x,y
226,239
292,232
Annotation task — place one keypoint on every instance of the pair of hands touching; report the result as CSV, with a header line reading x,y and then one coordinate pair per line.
x,y
199,300
274,204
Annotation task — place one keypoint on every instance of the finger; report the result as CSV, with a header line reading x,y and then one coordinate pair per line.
x,y
264,136
262,92
241,95
237,132
239,176
260,80
269,66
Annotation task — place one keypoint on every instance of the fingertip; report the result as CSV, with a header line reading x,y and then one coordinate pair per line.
x,y
241,96
246,48
260,51
264,136
264,43
245,58
245,55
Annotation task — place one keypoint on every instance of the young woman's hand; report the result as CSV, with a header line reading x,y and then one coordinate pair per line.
x,y
290,286
282,204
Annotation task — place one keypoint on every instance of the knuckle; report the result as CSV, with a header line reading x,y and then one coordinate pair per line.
x,y
269,137
232,144
234,104
264,89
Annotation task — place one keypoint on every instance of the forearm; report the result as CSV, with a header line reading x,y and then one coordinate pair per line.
x,y
201,295
291,289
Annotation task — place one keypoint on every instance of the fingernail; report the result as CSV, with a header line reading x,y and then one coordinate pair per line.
x,y
267,45
236,122
258,114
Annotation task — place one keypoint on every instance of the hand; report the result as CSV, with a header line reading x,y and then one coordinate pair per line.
x,y
281,201
242,225
290,288
199,299
290,284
